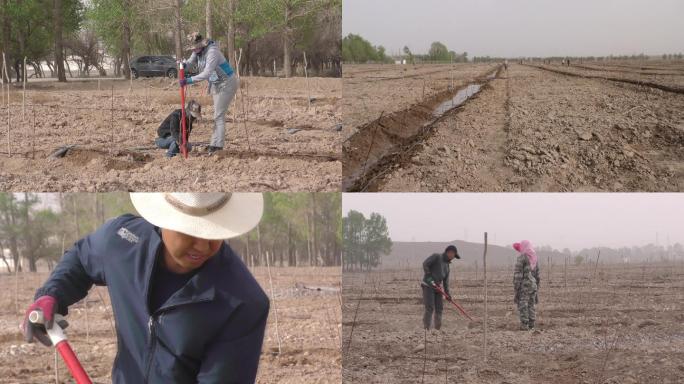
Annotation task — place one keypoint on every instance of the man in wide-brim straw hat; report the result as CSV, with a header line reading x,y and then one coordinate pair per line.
x,y
223,84
187,309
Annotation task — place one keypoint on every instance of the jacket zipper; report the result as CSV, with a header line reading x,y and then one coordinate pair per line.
x,y
151,326
150,349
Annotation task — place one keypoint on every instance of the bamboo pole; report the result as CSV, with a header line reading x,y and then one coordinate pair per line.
x,y
23,97
306,74
111,121
33,134
9,130
85,308
275,307
484,268
56,362
565,274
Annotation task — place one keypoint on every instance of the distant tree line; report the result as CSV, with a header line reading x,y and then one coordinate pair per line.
x,y
96,34
356,49
296,229
645,253
365,241
34,228
641,56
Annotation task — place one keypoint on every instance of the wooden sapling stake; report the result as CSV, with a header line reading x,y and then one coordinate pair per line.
x,y
484,268
275,307
23,97
111,121
306,74
9,130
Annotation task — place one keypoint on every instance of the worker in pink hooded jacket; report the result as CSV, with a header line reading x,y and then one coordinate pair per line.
x,y
526,283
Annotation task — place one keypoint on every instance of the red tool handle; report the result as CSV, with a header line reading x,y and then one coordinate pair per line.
x,y
446,297
77,371
184,132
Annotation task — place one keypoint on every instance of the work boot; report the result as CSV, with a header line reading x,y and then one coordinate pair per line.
x,y
531,325
524,327
211,149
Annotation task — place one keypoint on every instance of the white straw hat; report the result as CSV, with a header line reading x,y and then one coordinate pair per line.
x,y
211,216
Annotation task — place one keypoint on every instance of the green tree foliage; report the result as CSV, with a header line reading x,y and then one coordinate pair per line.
x,y
365,240
356,49
296,229
27,31
439,52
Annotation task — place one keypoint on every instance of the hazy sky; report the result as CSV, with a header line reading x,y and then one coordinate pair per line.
x,y
513,28
560,220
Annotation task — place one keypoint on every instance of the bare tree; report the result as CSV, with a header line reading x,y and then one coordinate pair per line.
x,y
209,21
59,48
231,30
179,30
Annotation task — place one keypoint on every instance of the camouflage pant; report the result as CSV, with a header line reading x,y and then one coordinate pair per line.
x,y
433,304
526,307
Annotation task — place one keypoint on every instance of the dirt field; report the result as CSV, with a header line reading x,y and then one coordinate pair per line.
x,y
282,144
372,89
615,324
308,321
387,107
531,129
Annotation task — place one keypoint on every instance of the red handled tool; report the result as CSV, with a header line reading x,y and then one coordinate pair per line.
x,y
446,297
58,339
184,132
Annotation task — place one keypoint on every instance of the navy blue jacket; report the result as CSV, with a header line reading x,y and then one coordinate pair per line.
x,y
209,331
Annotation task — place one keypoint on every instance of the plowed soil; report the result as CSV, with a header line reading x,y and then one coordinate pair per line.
x,y
531,129
274,139
309,325
612,324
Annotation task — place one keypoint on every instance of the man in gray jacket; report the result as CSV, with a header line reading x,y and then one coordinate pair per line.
x,y
436,268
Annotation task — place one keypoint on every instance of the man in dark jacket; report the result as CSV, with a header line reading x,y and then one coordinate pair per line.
x,y
187,309
436,268
169,132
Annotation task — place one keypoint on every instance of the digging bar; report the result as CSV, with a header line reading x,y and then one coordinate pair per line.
x,y
59,340
446,297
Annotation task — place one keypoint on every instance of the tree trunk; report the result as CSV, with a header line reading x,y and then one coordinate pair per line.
x,y
209,21
59,47
179,31
259,243
231,32
287,64
313,226
126,46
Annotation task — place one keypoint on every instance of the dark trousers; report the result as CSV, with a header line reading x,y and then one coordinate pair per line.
x,y
433,304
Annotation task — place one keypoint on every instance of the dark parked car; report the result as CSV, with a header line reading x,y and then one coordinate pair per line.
x,y
149,66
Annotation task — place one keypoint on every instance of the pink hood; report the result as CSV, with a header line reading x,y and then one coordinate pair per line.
x,y
525,247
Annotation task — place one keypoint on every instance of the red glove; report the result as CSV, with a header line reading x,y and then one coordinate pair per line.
x,y
47,305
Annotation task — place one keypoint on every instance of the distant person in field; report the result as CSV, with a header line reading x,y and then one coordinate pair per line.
x,y
526,283
506,65
169,132
436,269
223,84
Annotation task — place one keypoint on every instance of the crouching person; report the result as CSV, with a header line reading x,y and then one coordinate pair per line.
x,y
170,131
187,309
